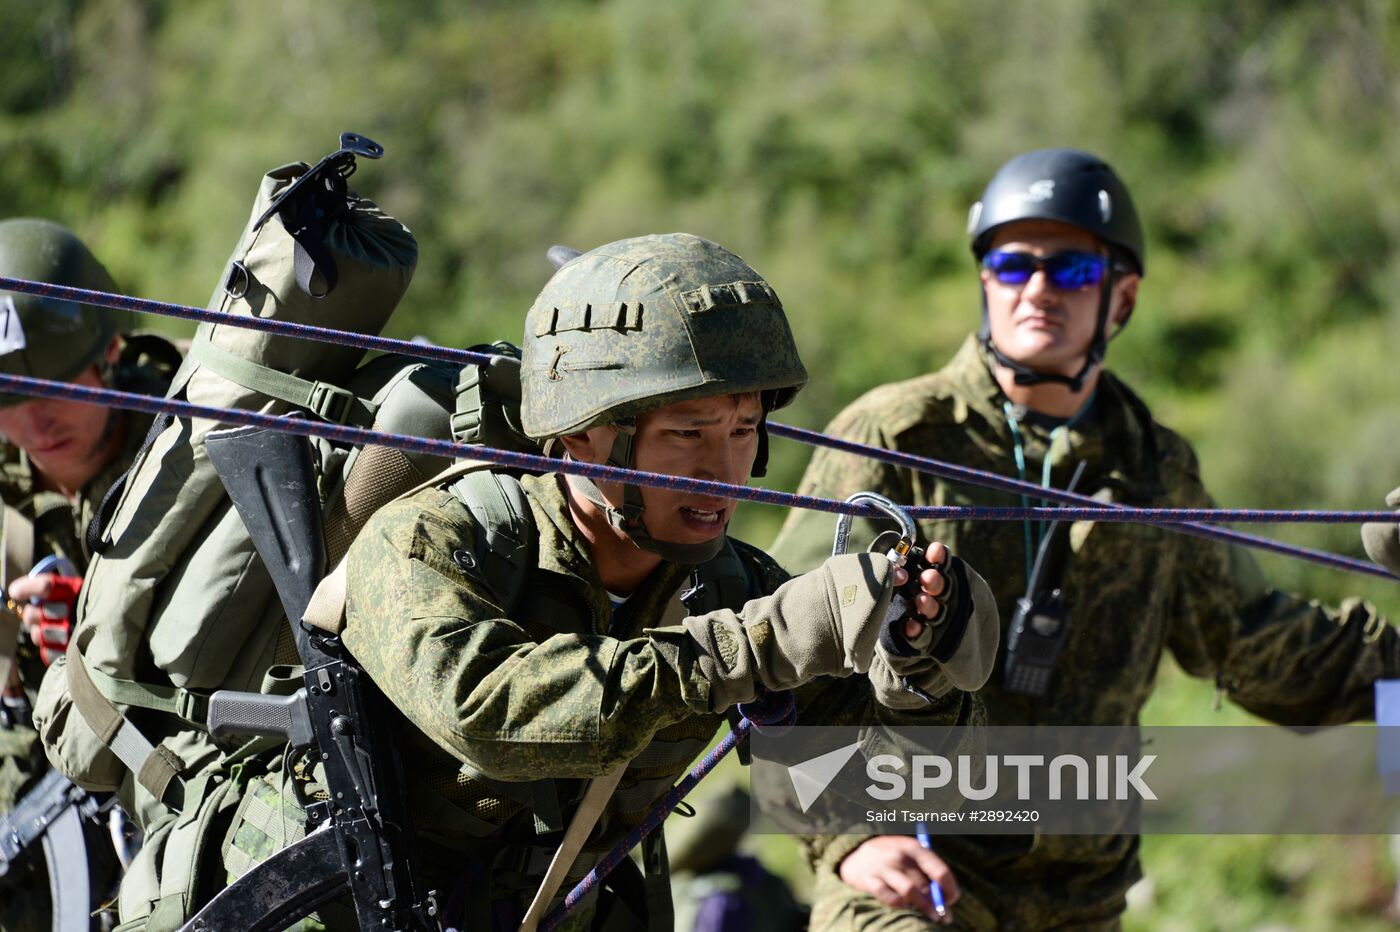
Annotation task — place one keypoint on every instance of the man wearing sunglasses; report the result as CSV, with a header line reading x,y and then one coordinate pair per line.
x,y
1060,254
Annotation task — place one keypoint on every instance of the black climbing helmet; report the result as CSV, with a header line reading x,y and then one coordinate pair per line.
x,y
1072,187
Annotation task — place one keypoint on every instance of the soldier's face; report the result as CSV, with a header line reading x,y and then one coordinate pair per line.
x,y
710,438
1045,328
66,441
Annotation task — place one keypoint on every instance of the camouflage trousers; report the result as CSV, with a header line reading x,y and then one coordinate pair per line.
x,y
838,907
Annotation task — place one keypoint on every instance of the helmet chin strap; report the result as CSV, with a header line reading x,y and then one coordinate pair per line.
x,y
1025,375
629,519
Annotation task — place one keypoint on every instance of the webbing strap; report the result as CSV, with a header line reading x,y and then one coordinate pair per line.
x,y
590,809
186,704
17,552
326,610
10,625
329,402
156,768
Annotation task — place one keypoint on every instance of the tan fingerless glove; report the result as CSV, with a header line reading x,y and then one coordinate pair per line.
x,y
957,650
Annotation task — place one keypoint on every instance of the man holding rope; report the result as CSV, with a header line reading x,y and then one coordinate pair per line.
x,y
1061,257
545,631
57,461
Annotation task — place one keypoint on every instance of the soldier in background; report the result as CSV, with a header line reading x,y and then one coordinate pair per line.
x,y
58,460
1061,257
719,887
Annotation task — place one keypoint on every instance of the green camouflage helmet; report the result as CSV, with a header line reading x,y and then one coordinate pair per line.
x,y
43,337
643,323
647,322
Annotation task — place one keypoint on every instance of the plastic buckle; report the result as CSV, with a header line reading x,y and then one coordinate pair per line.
x,y
192,707
331,402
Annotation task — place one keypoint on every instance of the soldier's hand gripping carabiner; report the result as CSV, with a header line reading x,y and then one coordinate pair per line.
x,y
905,553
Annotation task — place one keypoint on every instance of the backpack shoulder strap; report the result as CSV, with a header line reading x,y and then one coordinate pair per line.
x,y
723,581
505,538
16,559
505,530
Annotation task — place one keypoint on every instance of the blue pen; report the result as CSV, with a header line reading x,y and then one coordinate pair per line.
x,y
935,891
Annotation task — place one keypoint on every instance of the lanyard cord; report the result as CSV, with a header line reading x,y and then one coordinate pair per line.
x,y
1019,452
1019,449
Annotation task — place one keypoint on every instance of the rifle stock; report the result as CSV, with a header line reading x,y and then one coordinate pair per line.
x,y
363,834
278,891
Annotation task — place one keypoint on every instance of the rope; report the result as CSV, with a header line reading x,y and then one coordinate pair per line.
x,y
769,709
529,462
991,480
927,465
283,328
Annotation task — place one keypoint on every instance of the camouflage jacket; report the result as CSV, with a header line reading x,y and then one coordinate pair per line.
x,y
559,686
1133,591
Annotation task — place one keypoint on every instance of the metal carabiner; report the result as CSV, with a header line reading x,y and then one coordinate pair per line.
x,y
909,532
901,554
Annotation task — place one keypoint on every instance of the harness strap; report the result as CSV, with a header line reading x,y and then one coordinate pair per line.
x,y
17,552
504,532
327,401
326,610
590,810
186,704
157,768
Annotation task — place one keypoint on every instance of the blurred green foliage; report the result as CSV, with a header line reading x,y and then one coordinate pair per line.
x,y
836,145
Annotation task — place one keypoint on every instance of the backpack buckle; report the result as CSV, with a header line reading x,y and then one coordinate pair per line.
x,y
331,402
192,707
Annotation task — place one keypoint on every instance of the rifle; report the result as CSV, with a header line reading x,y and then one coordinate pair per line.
x,y
361,840
52,813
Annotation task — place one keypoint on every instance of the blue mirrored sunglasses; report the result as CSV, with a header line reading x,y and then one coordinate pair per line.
x,y
1067,271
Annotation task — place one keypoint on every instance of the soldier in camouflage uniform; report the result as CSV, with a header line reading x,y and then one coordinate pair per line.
x,y
637,624
57,462
1061,252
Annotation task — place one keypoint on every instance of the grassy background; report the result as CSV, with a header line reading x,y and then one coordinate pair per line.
x,y
837,145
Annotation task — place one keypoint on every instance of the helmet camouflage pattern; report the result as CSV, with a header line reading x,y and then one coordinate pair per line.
x,y
44,337
651,321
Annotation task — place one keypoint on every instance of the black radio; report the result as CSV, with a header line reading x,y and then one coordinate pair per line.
x,y
1033,642
1040,624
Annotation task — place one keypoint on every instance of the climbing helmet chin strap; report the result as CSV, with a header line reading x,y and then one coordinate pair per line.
x,y
628,520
